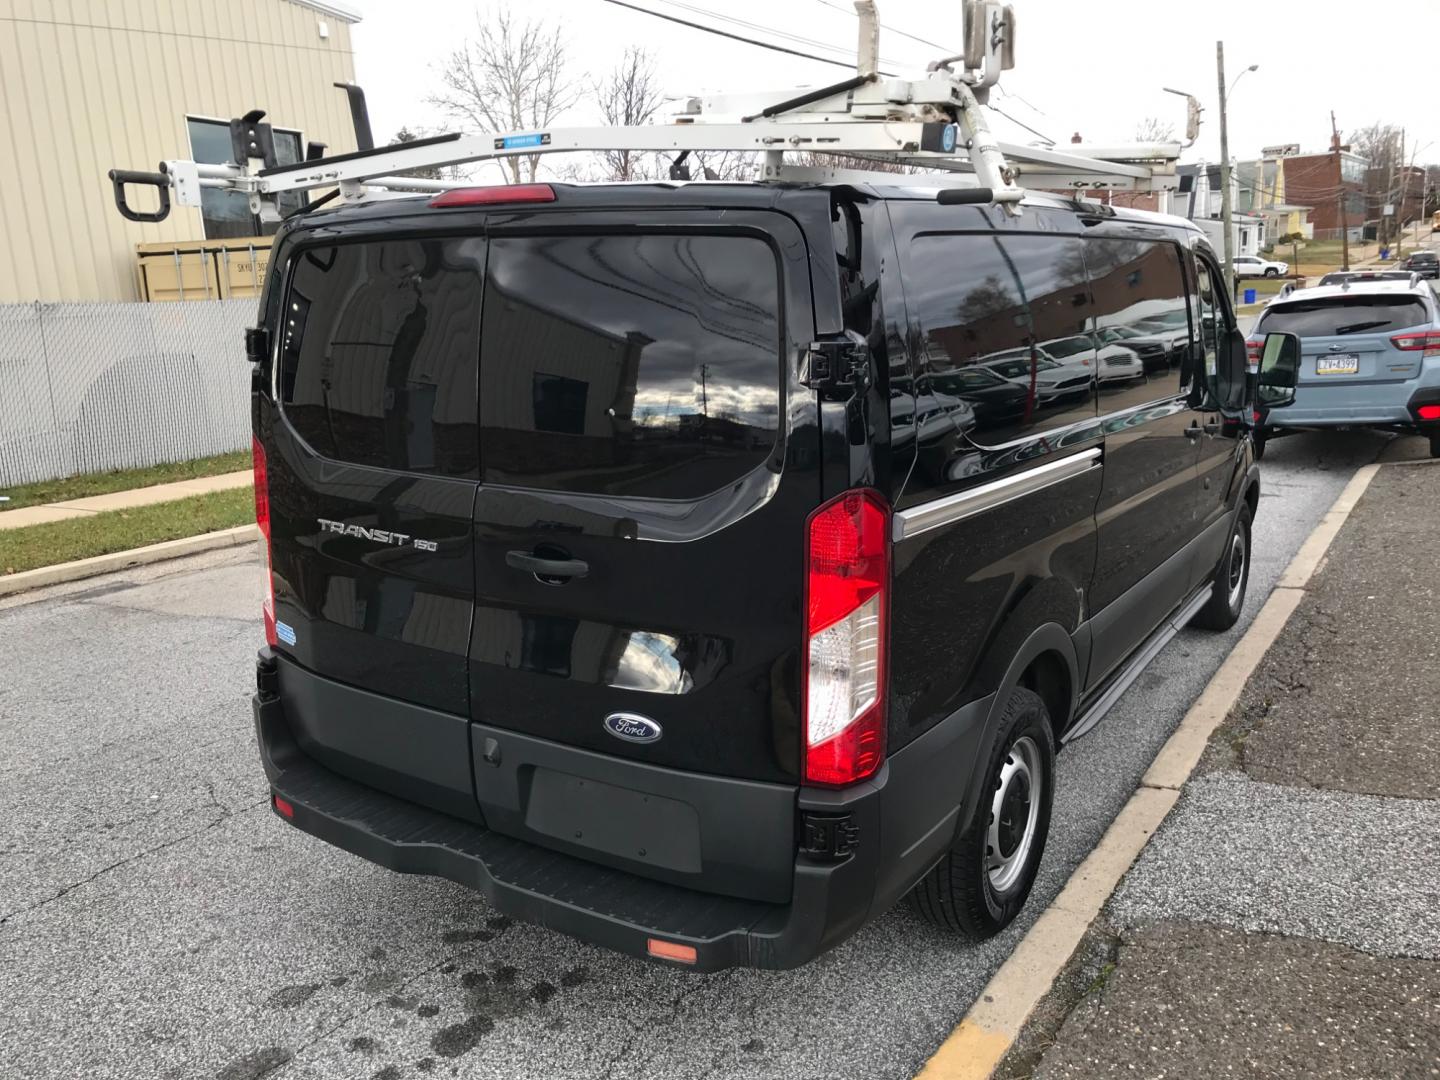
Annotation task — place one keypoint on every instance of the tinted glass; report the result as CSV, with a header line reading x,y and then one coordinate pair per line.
x,y
1015,307
1341,315
629,365
379,352
1138,286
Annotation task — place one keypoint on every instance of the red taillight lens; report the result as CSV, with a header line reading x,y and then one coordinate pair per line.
x,y
283,807
847,581
1429,412
491,196
262,519
1427,341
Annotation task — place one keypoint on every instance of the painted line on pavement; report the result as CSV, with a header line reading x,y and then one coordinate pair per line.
x,y
989,1029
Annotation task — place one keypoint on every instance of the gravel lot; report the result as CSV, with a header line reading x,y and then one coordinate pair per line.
x,y
157,920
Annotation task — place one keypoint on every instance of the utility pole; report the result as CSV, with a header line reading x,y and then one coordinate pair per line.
x,y
1226,210
1400,206
1340,180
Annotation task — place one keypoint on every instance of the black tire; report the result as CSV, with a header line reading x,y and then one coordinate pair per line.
x,y
960,892
1230,581
1435,445
1272,272
1258,441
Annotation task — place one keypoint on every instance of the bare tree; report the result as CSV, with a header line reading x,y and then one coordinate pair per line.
x,y
427,172
629,96
512,76
1154,130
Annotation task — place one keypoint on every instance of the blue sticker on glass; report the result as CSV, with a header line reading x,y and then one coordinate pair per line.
x,y
947,138
285,632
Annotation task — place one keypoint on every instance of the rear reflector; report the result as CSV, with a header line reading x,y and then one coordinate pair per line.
x,y
1252,350
669,950
262,519
494,195
846,584
283,808
1430,412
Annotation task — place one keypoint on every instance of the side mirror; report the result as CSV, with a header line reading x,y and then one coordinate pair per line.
x,y
1279,370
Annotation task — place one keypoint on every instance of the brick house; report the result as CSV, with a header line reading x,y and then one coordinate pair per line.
x,y
1322,182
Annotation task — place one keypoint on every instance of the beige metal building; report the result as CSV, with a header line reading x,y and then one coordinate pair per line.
x,y
90,85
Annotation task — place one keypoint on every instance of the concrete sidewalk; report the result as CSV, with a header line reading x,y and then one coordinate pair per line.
x,y
123,500
1285,920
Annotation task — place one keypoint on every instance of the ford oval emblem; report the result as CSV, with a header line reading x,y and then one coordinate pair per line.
x,y
632,727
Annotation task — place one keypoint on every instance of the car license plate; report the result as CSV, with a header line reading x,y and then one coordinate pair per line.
x,y
1337,364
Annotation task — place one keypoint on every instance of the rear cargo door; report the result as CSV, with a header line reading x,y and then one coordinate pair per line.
x,y
647,464
373,467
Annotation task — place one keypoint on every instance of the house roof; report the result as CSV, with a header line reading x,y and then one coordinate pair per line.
x,y
332,8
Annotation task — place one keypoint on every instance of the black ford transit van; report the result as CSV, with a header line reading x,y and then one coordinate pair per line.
x,y
699,569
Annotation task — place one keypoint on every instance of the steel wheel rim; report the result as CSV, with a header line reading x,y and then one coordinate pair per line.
x,y
1014,814
1237,566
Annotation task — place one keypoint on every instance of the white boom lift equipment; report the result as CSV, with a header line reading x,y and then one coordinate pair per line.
x,y
935,122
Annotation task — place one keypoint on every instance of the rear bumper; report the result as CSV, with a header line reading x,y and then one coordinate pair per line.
x,y
1368,404
901,819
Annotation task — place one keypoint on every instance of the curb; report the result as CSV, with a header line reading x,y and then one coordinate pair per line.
x,y
124,560
986,1033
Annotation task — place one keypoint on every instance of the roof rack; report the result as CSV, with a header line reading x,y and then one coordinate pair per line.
x,y
935,122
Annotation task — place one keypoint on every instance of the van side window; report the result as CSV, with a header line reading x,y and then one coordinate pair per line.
x,y
1142,323
639,365
1210,317
379,351
1004,334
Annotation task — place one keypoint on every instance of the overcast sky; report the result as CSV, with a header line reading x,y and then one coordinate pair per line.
x,y
1076,69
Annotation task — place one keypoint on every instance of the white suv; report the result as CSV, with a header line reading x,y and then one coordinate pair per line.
x,y
1254,266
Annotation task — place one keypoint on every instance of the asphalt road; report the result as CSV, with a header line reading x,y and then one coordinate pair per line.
x,y
156,919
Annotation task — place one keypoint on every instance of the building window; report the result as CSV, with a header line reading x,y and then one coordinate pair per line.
x,y
226,214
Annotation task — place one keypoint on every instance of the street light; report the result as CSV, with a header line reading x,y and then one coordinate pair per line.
x,y
1226,210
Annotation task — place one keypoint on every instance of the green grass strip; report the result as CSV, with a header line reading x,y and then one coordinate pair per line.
x,y
120,530
78,487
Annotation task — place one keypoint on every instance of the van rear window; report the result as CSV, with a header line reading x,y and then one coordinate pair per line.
x,y
629,365
378,346
1339,315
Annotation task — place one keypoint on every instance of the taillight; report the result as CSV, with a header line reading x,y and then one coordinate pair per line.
x,y
262,519
493,195
847,580
1429,412
1426,340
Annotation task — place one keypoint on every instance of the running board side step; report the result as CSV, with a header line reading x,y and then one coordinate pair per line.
x,y
1139,661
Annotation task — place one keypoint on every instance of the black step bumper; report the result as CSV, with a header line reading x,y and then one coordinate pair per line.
x,y
830,900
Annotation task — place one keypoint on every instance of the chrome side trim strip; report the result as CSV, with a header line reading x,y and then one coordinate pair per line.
x,y
964,504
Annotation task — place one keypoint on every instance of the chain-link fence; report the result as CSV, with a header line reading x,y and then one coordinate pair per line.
x,y
88,387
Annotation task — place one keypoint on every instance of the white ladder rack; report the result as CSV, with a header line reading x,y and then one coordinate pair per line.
x,y
936,122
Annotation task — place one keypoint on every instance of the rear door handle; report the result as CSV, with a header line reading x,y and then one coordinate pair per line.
x,y
546,568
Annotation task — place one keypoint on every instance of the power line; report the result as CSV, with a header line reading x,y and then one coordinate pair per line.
x,y
1027,127
734,37
772,31
885,26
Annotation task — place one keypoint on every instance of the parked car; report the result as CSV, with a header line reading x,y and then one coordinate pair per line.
x,y
1109,361
993,401
1370,357
1155,351
1052,380
1424,263
1254,266
602,579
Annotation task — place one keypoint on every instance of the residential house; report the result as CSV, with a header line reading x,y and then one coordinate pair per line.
x,y
1333,185
1203,204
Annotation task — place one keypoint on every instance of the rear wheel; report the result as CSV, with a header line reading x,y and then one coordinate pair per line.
x,y
1272,272
1435,444
985,879
1232,577
1258,440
